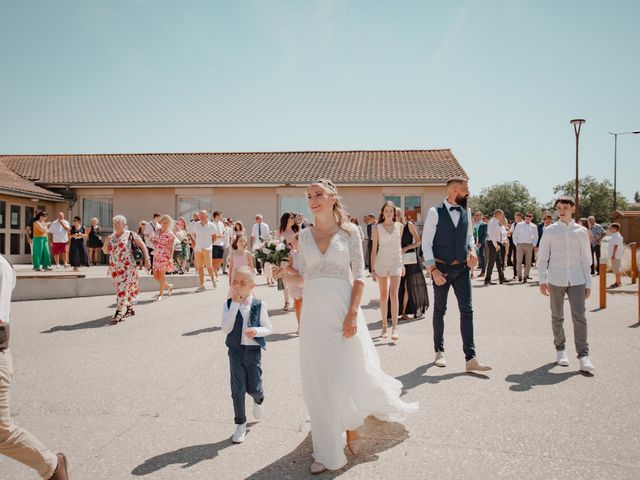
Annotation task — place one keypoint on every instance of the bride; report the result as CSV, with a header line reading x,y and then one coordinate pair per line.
x,y
342,382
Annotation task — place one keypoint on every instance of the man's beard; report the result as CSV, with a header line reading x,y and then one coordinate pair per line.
x,y
462,201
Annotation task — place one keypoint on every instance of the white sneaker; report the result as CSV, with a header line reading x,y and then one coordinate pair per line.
x,y
440,361
240,434
562,358
258,410
200,288
586,365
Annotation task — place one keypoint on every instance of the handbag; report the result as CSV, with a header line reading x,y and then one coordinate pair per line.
x,y
4,336
135,249
409,258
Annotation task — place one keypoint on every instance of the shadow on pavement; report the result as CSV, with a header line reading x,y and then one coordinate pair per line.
x,y
418,377
378,325
98,323
276,312
375,438
525,381
188,457
202,330
635,325
279,337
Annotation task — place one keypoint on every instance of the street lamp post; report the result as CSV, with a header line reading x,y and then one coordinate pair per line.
x,y
615,164
577,124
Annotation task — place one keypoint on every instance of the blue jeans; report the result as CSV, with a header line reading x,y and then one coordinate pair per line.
x,y
246,378
458,277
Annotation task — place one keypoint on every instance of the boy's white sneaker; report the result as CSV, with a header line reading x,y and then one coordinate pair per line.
x,y
240,433
201,288
258,410
562,358
586,365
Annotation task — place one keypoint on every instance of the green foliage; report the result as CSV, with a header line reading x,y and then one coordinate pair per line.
x,y
636,197
596,197
511,197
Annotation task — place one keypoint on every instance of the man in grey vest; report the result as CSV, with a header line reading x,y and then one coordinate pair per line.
x,y
449,253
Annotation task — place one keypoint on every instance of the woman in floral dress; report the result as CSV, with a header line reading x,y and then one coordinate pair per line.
x,y
163,255
122,266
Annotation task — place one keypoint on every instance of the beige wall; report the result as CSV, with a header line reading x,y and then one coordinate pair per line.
x,y
242,203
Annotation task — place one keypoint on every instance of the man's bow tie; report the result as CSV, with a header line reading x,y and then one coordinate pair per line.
x,y
459,209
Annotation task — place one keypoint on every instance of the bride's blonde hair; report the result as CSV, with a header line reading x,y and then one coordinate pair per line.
x,y
340,214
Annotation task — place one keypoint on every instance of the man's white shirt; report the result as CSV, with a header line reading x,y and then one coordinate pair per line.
x,y
259,230
564,255
524,232
203,235
58,232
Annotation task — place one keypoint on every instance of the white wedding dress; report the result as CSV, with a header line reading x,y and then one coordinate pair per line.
x,y
342,382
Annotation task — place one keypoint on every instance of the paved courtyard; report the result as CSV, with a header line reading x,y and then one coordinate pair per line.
x,y
150,398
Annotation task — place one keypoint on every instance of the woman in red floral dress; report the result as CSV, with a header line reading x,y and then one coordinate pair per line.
x,y
163,255
122,266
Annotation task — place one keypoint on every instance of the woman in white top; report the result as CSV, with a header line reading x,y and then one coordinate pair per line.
x,y
342,382
386,264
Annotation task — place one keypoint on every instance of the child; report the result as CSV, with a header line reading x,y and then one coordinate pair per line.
x,y
245,320
295,292
239,257
616,247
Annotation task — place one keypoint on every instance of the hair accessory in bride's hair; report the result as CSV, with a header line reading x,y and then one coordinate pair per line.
x,y
329,184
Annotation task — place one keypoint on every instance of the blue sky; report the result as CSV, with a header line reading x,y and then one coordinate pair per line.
x,y
495,81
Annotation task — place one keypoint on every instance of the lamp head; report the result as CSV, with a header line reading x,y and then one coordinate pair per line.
x,y
577,121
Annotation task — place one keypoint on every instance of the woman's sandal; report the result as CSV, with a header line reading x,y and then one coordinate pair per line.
x,y
352,439
286,307
129,313
384,333
170,291
317,468
394,335
117,318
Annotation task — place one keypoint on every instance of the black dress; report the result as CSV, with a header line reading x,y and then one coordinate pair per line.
x,y
77,252
94,240
413,282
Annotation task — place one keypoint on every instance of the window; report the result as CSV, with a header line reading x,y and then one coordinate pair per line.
x,y
14,248
188,205
295,204
3,248
3,210
101,208
411,205
15,216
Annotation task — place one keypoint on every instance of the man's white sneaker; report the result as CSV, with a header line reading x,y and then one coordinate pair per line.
x,y
440,361
562,358
240,433
586,365
200,288
258,410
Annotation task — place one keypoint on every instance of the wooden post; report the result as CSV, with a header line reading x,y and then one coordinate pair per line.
x,y
634,262
603,282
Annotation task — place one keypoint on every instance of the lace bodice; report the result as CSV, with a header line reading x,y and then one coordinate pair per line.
x,y
343,259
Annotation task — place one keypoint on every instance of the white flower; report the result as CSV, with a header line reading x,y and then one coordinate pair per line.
x,y
265,250
281,247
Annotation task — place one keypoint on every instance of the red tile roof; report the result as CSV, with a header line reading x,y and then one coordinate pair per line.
x,y
13,184
373,166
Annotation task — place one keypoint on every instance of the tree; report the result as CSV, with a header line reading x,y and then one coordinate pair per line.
x,y
636,197
511,197
596,197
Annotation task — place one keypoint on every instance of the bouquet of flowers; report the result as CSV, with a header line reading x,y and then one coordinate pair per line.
x,y
274,252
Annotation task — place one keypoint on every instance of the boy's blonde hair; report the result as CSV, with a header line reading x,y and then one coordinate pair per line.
x,y
244,270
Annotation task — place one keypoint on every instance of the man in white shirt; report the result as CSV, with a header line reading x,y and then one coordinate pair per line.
x,y
564,266
259,233
217,250
15,442
59,230
204,232
449,255
494,247
616,247
150,232
525,237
